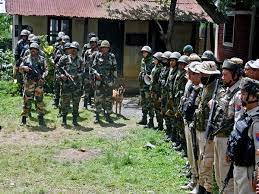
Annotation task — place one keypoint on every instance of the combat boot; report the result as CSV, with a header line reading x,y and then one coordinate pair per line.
x,y
108,118
85,102
75,123
201,190
64,121
56,103
41,121
143,120
97,118
23,121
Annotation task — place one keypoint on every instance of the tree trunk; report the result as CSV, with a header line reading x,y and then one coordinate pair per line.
x,y
170,29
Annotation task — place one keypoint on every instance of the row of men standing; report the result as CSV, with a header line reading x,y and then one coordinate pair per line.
x,y
74,76
215,121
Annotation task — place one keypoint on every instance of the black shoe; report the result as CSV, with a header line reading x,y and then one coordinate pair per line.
x,y
201,190
41,121
64,121
143,120
56,103
75,123
23,121
108,118
97,118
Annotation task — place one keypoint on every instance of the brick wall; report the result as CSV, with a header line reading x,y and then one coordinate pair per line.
x,y
241,39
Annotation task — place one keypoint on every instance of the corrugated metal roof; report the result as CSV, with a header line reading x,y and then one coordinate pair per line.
x,y
186,10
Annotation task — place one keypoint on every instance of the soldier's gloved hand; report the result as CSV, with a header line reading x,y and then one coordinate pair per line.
x,y
63,77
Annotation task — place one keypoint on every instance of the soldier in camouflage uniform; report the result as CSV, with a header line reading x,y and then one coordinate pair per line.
x,y
58,53
177,92
105,71
35,70
167,91
146,67
70,70
35,39
21,47
155,89
88,45
209,74
89,56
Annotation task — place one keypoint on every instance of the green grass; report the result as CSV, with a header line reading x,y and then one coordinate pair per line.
x,y
124,165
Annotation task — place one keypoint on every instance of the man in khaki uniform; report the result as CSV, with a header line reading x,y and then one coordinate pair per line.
x,y
243,143
209,75
228,109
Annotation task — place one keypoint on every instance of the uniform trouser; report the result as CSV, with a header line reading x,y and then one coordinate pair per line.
x,y
68,94
87,87
243,180
33,90
146,103
221,167
190,153
103,99
19,78
205,162
157,109
57,87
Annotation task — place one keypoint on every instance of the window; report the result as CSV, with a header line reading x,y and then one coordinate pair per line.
x,y
229,31
57,24
133,39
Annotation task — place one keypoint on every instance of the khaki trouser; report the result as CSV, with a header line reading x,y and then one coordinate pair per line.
x,y
220,165
243,180
205,161
190,154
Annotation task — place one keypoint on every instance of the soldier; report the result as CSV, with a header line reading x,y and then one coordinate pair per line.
x,y
105,70
208,56
178,89
188,50
170,132
89,56
188,108
243,143
228,109
35,39
145,70
252,69
87,45
209,75
58,53
155,89
70,69
35,70
21,46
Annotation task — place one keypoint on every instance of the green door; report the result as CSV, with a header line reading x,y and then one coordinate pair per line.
x,y
113,31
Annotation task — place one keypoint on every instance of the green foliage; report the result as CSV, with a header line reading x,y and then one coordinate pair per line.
x,y
8,87
5,32
6,65
226,5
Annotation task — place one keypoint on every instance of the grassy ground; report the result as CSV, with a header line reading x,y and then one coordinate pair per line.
x,y
116,160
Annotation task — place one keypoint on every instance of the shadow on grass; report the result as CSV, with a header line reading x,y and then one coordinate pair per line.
x,y
114,125
41,129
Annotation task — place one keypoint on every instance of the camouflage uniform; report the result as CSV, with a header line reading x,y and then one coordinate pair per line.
x,y
88,80
69,90
146,67
21,47
156,94
105,66
33,86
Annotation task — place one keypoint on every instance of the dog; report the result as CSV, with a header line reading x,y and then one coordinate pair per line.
x,y
117,98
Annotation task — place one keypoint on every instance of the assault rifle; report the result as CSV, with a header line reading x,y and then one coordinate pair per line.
x,y
63,71
34,73
228,177
210,128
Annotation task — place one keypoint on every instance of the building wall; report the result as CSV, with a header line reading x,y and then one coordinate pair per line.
x,y
132,54
78,30
241,39
93,25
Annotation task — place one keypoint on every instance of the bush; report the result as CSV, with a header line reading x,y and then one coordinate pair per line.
x,y
9,87
6,65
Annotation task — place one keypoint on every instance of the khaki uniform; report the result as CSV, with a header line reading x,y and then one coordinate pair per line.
x,y
243,175
206,147
229,107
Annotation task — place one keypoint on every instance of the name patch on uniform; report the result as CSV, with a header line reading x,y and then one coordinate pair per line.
x,y
257,136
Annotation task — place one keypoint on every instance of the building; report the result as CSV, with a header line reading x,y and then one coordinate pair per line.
x,y
127,24
239,35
